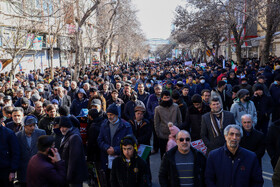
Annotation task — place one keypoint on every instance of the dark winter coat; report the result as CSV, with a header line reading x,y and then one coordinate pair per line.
x,y
45,124
104,139
77,104
144,97
255,142
133,175
73,93
143,132
152,103
129,113
168,175
242,171
72,151
9,152
41,172
192,121
273,142
275,94
207,135
27,152
201,87
92,135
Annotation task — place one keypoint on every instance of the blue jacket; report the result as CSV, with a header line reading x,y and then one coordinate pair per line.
x,y
275,93
201,87
152,103
77,104
242,171
104,139
9,152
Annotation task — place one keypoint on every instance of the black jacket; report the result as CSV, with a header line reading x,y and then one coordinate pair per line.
x,y
72,151
192,121
273,142
133,175
255,142
45,124
168,176
143,133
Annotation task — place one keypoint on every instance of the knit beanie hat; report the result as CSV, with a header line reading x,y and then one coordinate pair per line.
x,y
113,109
24,100
241,93
65,122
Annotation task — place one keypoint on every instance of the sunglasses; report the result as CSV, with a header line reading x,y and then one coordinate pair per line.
x,y
182,139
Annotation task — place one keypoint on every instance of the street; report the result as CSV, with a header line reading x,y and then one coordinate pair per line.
x,y
267,170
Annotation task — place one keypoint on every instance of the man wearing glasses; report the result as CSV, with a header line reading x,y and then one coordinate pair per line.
x,y
183,165
232,165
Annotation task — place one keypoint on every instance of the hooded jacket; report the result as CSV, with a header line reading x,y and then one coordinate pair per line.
x,y
238,110
77,104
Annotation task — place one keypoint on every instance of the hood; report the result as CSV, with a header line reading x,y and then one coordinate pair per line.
x,y
174,130
81,90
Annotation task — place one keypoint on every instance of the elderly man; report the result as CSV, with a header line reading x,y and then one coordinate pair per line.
x,y
64,100
38,112
213,124
27,139
183,165
252,139
232,165
109,139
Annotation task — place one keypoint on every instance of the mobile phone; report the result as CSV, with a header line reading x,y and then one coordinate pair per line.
x,y
50,152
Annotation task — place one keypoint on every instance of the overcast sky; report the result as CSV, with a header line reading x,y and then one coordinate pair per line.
x,y
156,16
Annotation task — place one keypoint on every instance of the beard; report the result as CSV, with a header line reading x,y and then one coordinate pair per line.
x,y
166,103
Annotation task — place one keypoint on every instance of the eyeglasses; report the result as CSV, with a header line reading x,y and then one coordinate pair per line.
x,y
182,139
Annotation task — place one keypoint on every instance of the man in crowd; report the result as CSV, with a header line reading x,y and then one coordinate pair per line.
x,y
129,169
17,116
38,112
213,125
27,139
72,151
46,167
10,162
252,139
243,105
111,133
183,165
46,122
232,165
166,112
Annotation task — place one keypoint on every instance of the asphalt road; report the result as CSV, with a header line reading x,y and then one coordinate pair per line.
x,y
267,170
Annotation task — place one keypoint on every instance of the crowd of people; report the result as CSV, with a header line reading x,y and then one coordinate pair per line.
x,y
53,130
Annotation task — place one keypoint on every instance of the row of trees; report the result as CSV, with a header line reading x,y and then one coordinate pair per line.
x,y
211,22
98,25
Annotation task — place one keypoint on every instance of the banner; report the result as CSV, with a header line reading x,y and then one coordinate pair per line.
x,y
188,63
199,145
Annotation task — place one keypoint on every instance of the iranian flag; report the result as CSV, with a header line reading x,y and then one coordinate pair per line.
x,y
233,66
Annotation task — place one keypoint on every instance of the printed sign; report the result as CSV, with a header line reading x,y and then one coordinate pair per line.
x,y
199,145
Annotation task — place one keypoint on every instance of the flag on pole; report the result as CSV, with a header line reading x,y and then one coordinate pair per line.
x,y
144,151
233,66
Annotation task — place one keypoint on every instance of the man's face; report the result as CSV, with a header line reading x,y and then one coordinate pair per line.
x,y
128,151
115,95
29,129
80,95
158,90
118,86
183,142
17,116
24,105
141,88
27,94
215,106
261,81
233,138
73,85
247,123
127,89
111,117
20,94
64,130
139,115
206,96
165,98
259,92
197,105
185,91
66,84
52,113
39,108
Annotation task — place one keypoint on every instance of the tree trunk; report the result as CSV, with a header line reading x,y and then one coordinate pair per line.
x,y
77,58
238,54
265,50
51,55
